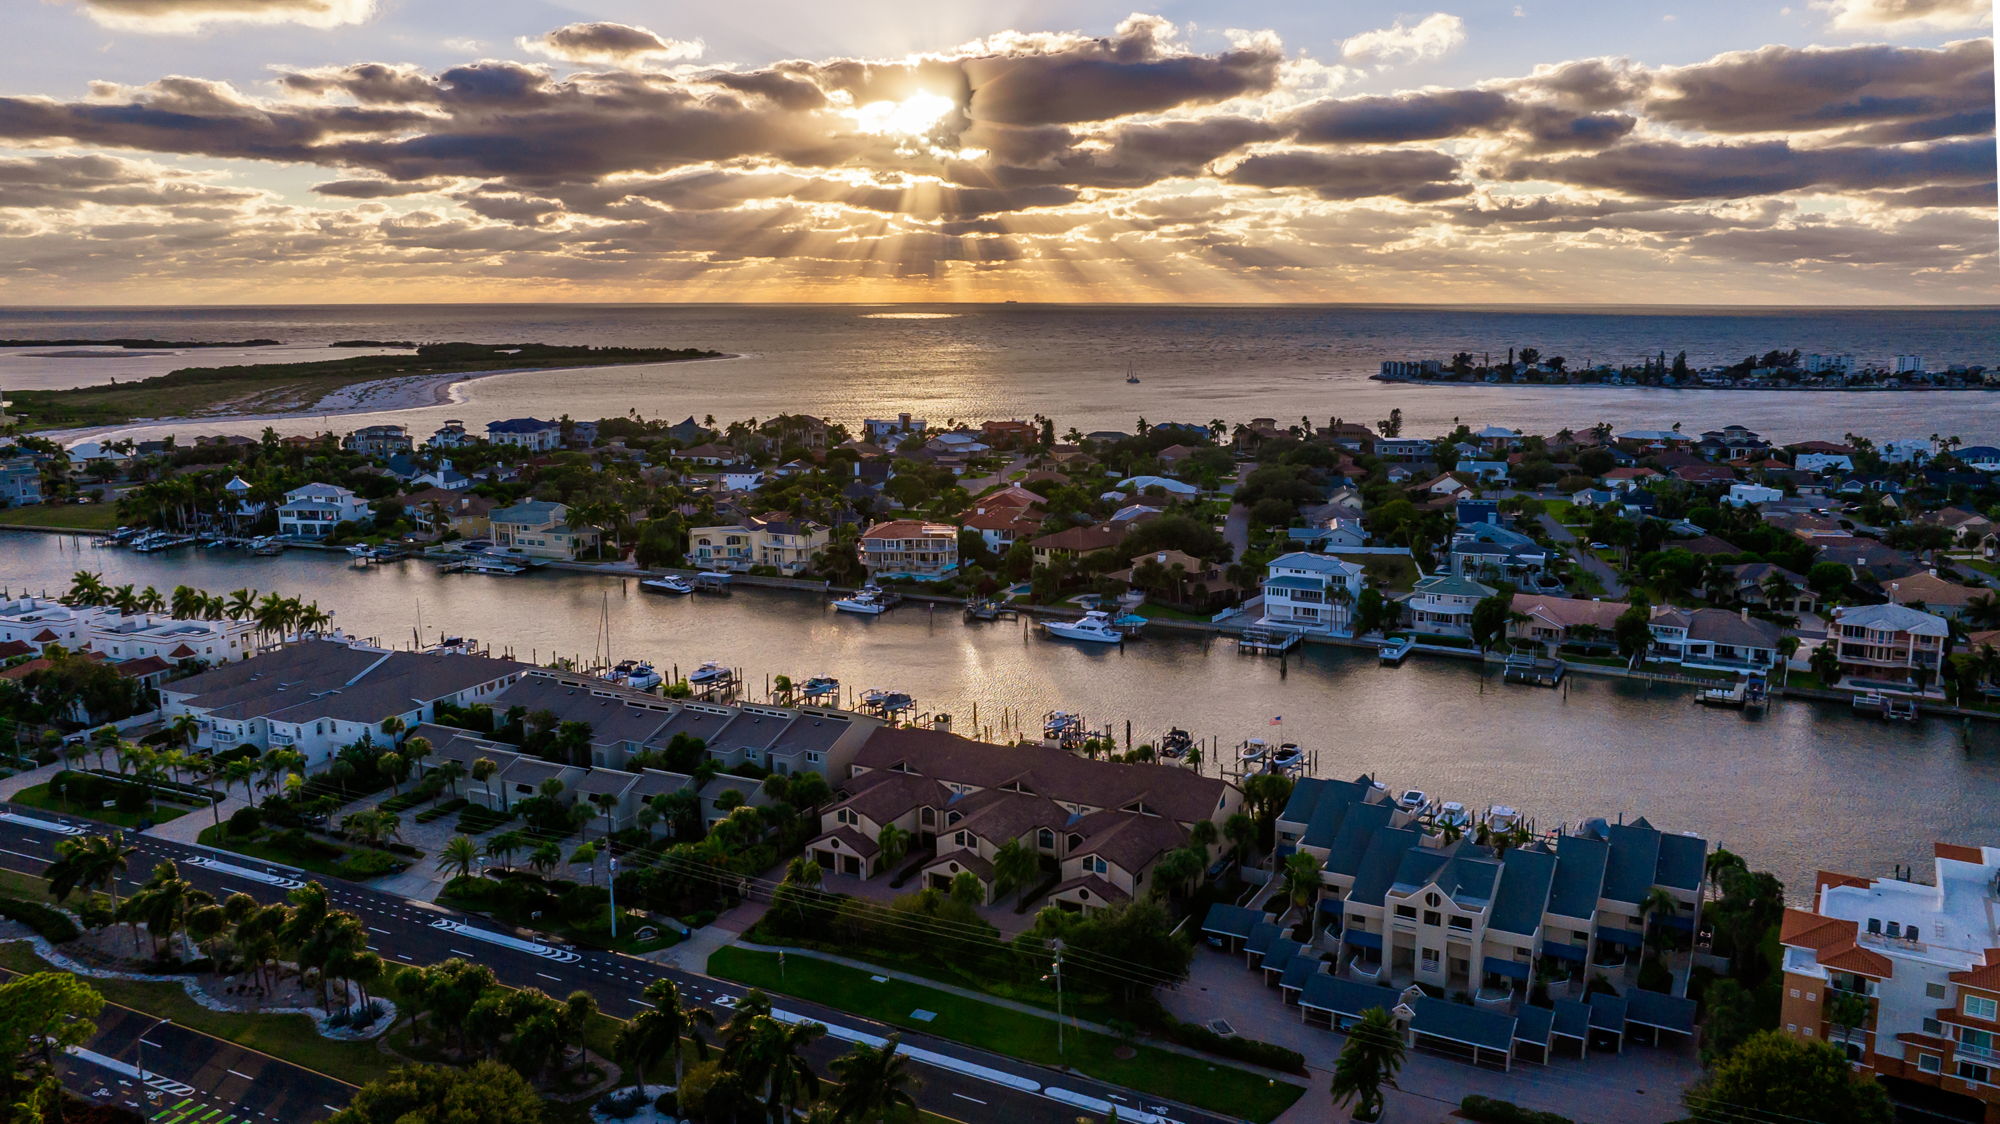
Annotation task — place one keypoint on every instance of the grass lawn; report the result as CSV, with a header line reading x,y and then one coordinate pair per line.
x,y
218,835
1397,572
1211,1085
69,516
1168,613
290,1037
39,796
1980,564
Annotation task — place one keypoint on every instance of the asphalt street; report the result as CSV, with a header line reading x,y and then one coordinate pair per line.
x,y
958,1081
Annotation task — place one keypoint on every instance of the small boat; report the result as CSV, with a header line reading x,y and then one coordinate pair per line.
x,y
495,566
1901,710
1735,696
868,601
666,584
1176,743
1060,724
1131,373
1500,817
887,702
1414,801
820,686
1394,649
636,674
1288,757
1095,627
1453,814
266,547
359,549
710,674
1253,750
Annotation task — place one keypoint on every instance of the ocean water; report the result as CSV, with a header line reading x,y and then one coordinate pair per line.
x,y
945,362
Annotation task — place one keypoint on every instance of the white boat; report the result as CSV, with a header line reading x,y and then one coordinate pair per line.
x,y
1394,649
1413,801
820,686
1253,750
1453,814
868,601
636,674
710,673
1500,817
359,549
667,584
1288,757
495,566
1095,627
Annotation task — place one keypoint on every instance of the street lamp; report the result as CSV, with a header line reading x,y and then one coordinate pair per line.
x,y
142,1046
611,883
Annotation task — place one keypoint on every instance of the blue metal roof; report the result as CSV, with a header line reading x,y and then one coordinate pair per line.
x,y
1607,1012
1524,891
1305,796
1533,1024
1346,997
1280,954
1301,969
1362,938
1512,969
1579,879
1456,1022
1357,831
1572,1018
1666,1012
1289,582
1635,856
1324,827
1225,920
1683,859
1263,936
1378,864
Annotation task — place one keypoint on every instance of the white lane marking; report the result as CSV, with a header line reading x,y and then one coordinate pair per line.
x,y
963,1097
244,1076
559,955
41,825
462,952
153,1080
235,871
546,976
373,929
641,1002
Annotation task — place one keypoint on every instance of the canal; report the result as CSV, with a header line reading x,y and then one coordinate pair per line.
x,y
1804,787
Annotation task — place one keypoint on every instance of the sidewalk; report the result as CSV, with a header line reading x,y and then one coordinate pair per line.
x,y
11,785
185,829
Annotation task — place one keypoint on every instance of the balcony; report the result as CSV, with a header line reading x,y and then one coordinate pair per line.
x,y
1982,1054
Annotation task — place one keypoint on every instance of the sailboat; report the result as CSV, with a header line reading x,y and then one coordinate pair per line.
x,y
1131,373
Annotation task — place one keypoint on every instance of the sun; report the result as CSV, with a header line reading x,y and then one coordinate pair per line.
x,y
914,116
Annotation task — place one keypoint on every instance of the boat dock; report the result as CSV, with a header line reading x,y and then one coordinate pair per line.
x,y
1267,641
1532,670
712,582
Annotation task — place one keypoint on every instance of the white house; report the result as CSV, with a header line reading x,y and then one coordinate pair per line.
x,y
1137,485
1821,462
450,435
313,510
1484,470
1907,450
1443,604
884,431
527,433
1311,591
742,478
1750,495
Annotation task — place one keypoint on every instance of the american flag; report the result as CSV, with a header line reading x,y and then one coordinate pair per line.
x,y
1277,721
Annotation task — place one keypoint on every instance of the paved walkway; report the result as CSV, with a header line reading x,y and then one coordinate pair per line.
x,y
1597,567
11,785
185,829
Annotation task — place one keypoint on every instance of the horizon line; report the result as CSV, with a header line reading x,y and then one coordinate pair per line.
x,y
1551,305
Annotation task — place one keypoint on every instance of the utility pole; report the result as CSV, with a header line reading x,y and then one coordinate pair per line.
x,y
1055,973
611,884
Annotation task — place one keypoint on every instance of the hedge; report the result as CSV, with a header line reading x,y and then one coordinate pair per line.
x,y
1250,1050
53,924
1488,1110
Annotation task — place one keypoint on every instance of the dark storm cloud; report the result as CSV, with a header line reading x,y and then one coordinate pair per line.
x,y
1786,89
1125,156
1109,78
1415,175
182,115
1665,170
1442,115
371,189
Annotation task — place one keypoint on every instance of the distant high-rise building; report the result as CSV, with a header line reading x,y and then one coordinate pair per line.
x,y
1909,364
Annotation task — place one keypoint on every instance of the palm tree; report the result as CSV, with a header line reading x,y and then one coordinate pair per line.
x,y
503,846
545,858
459,857
1180,869
675,1020
1203,834
802,871
1370,1060
1659,903
891,844
1302,881
875,1085
241,604
482,771
92,862
1241,830
1015,866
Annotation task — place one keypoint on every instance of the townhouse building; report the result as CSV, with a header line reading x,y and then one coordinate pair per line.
x,y
1904,976
909,548
312,511
1103,825
37,622
317,696
20,482
1889,643
1311,592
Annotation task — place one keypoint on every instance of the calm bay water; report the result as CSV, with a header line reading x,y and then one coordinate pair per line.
x,y
1803,788
1068,362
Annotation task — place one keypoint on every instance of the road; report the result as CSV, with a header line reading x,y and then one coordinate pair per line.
x,y
1613,587
959,1082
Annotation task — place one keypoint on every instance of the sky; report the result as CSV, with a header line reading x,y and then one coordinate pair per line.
x,y
1710,152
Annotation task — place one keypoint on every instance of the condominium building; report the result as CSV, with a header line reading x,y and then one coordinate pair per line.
x,y
378,440
910,548
1904,976
121,637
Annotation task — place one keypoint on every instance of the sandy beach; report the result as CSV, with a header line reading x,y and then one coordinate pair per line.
x,y
407,392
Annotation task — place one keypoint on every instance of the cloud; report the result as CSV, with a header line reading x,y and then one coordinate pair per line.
x,y
372,188
1409,174
1928,92
185,16
1432,37
612,43
1905,16
1668,170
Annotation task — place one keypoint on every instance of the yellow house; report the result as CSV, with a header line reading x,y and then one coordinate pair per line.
x,y
540,529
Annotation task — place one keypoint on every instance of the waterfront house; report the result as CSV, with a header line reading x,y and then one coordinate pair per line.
x,y
540,529
1080,542
776,540
1181,580
450,435
1923,958
1486,472
1907,450
1823,462
1003,517
1555,621
317,696
1447,487
1311,592
797,431
1889,643
1442,604
909,548
20,482
34,623
532,434
437,511
1713,639
1981,458
1496,552
378,441
443,477
1403,449
1933,594
1012,434
1752,583
1731,443
312,511
885,431
1102,824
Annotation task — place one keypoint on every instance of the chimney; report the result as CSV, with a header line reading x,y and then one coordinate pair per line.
x,y
1744,613
903,421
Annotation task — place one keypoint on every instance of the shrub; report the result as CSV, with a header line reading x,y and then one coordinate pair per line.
x,y
667,1103
1239,1049
368,864
1488,1110
132,798
622,1105
245,821
53,924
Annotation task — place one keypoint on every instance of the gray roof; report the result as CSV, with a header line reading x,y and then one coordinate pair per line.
x,y
1347,997
318,679
1302,968
1579,880
1465,871
1357,832
1667,1012
1899,618
531,512
1524,891
1305,796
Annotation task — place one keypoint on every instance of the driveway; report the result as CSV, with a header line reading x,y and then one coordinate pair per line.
x,y
1591,563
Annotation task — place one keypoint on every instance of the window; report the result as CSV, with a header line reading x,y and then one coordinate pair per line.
x,y
1096,865
1432,917
1458,921
1969,1072
959,838
1933,1026
1929,1063
1980,1007
1934,991
1408,912
1430,959
1045,839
